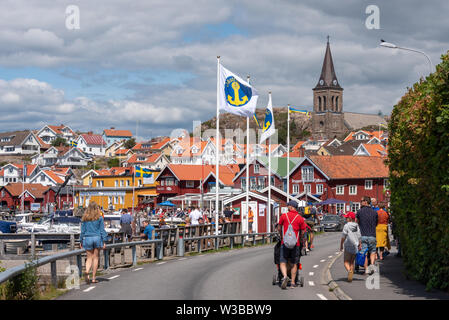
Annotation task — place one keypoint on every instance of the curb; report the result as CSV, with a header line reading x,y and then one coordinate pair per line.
x,y
333,286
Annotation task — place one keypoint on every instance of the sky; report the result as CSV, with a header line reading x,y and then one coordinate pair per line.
x,y
150,66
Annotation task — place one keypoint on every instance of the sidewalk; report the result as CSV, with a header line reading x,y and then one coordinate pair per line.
x,y
392,282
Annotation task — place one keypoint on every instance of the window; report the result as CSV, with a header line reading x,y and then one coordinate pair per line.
x,y
116,183
319,189
308,188
253,182
122,183
386,184
355,206
189,184
243,183
353,189
368,184
42,177
295,188
100,183
340,206
122,199
307,173
128,183
256,168
340,190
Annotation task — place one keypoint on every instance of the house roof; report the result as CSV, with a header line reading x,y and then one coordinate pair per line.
x,y
161,144
36,189
351,167
30,168
298,145
347,148
197,172
58,129
375,150
149,158
16,137
117,133
122,151
93,139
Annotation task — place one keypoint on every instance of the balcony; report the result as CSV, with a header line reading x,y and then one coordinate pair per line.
x,y
167,189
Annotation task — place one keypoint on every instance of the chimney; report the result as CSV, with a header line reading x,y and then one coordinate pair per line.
x,y
90,133
112,128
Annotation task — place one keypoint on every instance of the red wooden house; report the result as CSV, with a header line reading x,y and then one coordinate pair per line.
x,y
11,195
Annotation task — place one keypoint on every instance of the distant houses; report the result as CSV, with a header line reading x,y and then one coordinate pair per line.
x,y
18,143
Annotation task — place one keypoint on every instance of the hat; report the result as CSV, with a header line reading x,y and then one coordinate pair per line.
x,y
292,203
350,214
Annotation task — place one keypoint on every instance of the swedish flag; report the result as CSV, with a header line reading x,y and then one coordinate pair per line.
x,y
73,144
291,110
143,172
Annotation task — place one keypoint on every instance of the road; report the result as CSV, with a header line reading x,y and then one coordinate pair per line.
x,y
240,274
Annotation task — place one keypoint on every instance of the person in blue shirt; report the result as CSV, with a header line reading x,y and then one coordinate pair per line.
x,y
148,231
93,237
374,204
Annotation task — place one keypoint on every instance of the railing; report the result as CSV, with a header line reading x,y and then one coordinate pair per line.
x,y
172,241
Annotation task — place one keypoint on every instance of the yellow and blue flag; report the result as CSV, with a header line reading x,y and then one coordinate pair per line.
x,y
73,143
146,174
268,125
236,96
295,110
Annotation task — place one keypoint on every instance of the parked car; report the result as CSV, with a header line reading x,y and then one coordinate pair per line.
x,y
333,222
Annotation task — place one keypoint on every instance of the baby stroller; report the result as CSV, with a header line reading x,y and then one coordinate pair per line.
x,y
277,276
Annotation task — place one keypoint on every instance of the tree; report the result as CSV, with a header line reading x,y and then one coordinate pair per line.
x,y
58,142
418,159
129,144
114,162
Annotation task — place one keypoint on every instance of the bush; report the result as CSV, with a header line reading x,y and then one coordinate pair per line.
x,y
114,162
419,177
23,286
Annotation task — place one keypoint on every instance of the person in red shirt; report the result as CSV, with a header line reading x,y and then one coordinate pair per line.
x,y
286,254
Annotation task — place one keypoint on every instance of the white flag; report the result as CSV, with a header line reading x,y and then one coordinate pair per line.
x,y
268,124
236,96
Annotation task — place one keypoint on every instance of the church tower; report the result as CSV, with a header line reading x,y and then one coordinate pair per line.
x,y
327,116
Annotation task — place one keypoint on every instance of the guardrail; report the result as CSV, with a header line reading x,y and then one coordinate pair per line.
x,y
180,250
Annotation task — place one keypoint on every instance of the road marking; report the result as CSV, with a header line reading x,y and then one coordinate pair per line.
x,y
311,274
311,283
161,262
315,266
113,277
330,257
182,259
322,260
137,269
88,289
321,296
337,252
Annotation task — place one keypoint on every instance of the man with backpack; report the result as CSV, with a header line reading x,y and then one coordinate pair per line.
x,y
291,227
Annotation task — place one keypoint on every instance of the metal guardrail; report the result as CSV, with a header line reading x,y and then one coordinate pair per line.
x,y
13,272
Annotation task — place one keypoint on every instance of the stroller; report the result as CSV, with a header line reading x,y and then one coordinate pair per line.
x,y
277,276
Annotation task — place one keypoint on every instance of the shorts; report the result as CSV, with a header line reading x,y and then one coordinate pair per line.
x,y
250,225
369,243
311,223
289,255
90,243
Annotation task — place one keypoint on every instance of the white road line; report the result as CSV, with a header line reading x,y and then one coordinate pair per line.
x,y
161,262
88,289
315,266
322,260
330,257
311,283
321,296
337,252
137,269
311,274
113,277
182,259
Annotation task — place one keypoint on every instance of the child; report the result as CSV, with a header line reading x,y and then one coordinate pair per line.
x,y
352,243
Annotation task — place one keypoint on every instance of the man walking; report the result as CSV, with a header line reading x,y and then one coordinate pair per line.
x,y
290,255
367,220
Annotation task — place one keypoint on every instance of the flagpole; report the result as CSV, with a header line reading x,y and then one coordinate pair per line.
x,y
217,159
246,216
269,179
288,153
23,186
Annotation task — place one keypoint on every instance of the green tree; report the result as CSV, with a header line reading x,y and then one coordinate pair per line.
x,y
418,159
114,162
59,142
129,144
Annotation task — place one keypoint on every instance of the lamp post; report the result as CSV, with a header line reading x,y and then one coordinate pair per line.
x,y
385,44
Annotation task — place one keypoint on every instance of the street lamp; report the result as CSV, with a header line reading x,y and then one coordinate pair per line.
x,y
385,44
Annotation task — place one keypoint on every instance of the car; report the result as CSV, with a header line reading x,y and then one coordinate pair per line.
x,y
333,222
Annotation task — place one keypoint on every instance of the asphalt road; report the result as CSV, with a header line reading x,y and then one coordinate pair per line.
x,y
240,274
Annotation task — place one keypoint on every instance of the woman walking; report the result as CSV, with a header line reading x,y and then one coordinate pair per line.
x,y
382,238
92,238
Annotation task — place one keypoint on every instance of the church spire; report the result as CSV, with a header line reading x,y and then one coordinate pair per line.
x,y
328,78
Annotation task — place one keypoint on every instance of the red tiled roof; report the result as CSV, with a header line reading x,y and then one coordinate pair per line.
x,y
58,129
351,167
161,144
197,172
36,189
94,139
298,145
375,150
117,133
122,151
54,176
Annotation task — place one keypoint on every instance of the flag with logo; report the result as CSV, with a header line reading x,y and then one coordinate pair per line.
x,y
146,174
268,124
257,121
296,110
235,95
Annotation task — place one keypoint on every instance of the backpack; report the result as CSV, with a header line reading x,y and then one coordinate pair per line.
x,y
290,238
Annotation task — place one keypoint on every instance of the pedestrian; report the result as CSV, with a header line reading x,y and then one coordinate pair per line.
x,y
290,255
374,204
352,241
148,231
382,238
229,213
93,237
250,220
367,220
125,224
187,221
194,215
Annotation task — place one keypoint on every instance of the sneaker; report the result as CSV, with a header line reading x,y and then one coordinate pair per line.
x,y
284,283
293,286
350,275
307,250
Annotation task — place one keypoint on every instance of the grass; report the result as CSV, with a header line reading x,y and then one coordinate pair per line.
x,y
50,293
